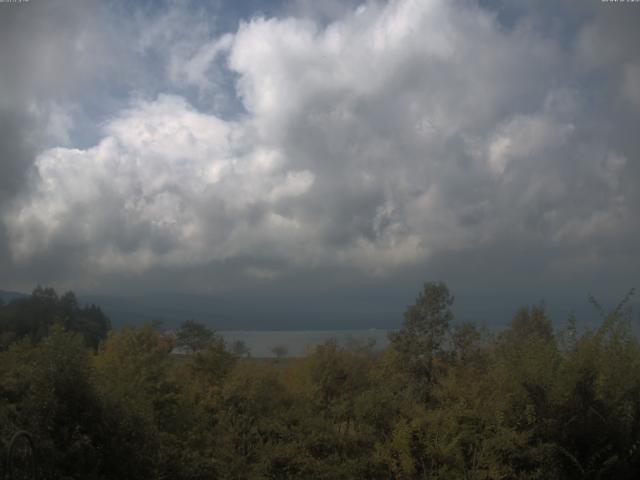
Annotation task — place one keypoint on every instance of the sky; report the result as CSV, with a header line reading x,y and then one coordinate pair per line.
x,y
321,160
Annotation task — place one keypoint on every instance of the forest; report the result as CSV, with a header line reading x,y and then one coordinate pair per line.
x,y
445,400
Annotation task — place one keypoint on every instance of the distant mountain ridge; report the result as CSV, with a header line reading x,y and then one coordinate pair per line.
x,y
230,313
239,312
8,295
250,311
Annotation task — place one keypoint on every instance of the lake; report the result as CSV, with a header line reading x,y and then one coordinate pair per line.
x,y
299,342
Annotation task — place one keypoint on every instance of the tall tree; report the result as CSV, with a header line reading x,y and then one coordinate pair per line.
x,y
194,336
426,324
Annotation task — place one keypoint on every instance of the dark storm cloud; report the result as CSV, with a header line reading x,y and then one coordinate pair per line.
x,y
16,151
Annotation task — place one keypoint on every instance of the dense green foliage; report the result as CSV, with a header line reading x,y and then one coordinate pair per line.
x,y
33,317
443,401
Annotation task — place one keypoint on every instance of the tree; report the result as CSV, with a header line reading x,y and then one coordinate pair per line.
x,y
280,351
240,349
34,316
426,324
193,336
139,398
253,427
210,366
530,324
49,392
466,341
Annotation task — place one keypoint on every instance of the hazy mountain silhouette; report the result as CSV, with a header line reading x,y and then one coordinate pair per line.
x,y
8,295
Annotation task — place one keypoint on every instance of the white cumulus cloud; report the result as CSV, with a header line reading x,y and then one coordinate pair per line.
x,y
395,132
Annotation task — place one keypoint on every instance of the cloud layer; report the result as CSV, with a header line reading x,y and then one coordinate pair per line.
x,y
391,135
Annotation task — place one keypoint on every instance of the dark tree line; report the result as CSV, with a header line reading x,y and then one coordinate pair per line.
x,y
443,401
34,316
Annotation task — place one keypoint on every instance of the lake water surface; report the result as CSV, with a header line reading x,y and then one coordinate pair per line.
x,y
299,342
